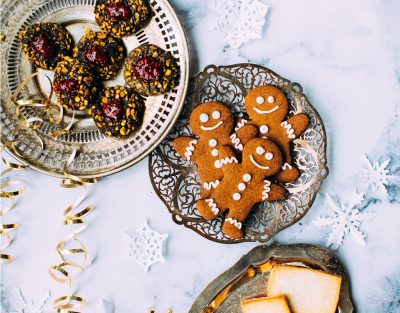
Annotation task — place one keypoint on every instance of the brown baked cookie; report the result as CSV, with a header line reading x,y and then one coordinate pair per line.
x,y
213,123
267,107
244,184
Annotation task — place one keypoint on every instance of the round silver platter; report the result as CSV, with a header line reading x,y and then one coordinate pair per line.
x,y
98,155
176,181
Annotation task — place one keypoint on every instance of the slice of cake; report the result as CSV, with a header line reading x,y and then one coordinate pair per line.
x,y
266,305
307,290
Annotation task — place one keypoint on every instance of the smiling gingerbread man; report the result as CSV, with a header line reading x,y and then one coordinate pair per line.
x,y
267,107
244,184
213,123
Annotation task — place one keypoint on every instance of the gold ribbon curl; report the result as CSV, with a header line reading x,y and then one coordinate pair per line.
x,y
72,216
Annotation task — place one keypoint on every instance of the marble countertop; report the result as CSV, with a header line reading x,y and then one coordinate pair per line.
x,y
346,55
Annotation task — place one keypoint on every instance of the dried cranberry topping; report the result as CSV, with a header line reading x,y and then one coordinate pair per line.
x,y
97,55
148,68
118,10
68,86
113,110
43,45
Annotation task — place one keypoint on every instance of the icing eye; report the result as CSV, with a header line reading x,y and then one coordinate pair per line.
x,y
260,150
216,115
204,117
212,142
271,99
269,156
260,100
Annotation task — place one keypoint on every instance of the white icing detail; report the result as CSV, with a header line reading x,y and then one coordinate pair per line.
x,y
216,115
214,152
236,196
246,177
286,166
258,165
234,222
204,117
212,127
211,184
236,141
260,150
190,149
242,186
260,100
269,156
267,189
271,99
213,206
213,143
240,124
266,112
264,129
225,161
289,129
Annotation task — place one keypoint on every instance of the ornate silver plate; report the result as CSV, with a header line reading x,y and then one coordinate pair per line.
x,y
176,181
249,276
98,155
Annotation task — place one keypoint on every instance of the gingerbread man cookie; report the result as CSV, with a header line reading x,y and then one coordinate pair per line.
x,y
213,123
267,107
244,184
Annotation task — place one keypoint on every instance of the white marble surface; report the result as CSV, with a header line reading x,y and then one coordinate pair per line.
x,y
346,55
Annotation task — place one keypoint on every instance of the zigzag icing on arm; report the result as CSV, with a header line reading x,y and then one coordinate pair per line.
x,y
224,161
234,222
190,149
267,189
211,184
240,124
289,129
236,141
286,166
213,206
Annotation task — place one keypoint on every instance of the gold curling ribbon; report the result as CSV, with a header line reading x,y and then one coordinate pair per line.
x,y
72,216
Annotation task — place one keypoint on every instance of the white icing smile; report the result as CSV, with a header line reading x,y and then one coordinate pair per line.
x,y
266,112
212,127
258,165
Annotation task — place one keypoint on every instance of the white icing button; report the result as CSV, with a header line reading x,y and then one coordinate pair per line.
x,y
260,100
271,99
217,164
212,143
264,129
216,115
260,150
214,152
269,156
236,196
246,177
204,117
242,186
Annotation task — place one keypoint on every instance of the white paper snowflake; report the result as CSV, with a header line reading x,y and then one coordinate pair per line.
x,y
147,247
20,304
377,177
240,20
346,220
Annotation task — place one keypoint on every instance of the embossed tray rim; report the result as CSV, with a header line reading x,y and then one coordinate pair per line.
x,y
289,253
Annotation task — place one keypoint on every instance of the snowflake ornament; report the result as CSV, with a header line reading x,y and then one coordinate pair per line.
x,y
376,176
24,305
240,20
346,219
147,247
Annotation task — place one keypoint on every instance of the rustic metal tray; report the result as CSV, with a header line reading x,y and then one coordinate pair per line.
x,y
98,155
249,276
176,182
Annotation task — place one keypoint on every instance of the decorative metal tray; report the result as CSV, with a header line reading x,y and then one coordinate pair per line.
x,y
98,155
177,184
249,276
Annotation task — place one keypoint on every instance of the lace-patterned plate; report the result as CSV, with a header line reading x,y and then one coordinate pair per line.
x,y
176,182
98,155
249,276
